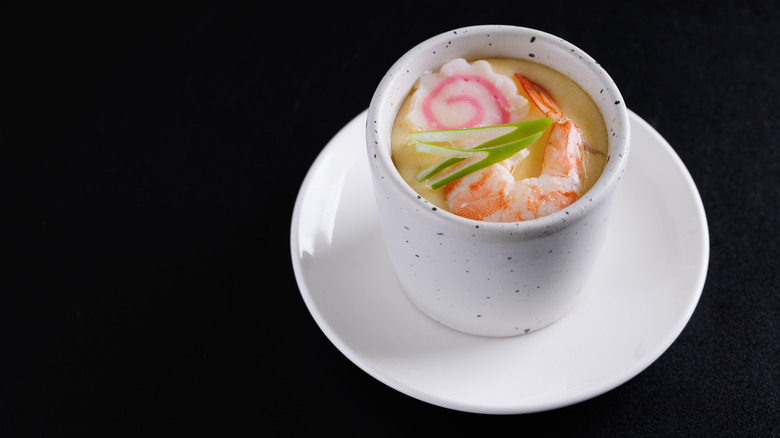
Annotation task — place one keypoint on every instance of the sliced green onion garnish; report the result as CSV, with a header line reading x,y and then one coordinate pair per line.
x,y
503,142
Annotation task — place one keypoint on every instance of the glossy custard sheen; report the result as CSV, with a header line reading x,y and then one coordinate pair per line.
x,y
573,101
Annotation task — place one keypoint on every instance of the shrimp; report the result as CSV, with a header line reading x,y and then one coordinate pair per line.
x,y
492,194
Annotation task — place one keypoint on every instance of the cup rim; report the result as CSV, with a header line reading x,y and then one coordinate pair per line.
x,y
618,139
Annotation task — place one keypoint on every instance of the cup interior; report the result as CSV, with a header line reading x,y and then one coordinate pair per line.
x,y
477,42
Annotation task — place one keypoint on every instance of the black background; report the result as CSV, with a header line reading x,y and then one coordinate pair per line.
x,y
150,157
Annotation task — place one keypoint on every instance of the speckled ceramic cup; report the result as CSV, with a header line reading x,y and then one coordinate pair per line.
x,y
493,279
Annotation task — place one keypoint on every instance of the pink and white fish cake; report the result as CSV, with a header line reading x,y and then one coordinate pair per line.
x,y
463,95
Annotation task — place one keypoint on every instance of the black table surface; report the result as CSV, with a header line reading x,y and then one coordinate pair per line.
x,y
150,158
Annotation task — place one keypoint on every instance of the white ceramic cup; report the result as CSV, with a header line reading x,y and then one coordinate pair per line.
x,y
493,279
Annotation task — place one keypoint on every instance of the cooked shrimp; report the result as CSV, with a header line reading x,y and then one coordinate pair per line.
x,y
492,194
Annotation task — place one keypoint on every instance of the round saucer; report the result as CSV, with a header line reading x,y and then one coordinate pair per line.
x,y
657,252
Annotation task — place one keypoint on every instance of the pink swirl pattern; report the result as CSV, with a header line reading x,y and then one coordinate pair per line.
x,y
462,95
475,104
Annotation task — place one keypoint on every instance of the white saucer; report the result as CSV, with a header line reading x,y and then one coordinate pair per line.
x,y
624,322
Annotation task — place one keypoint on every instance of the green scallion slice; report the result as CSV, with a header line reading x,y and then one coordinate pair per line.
x,y
502,142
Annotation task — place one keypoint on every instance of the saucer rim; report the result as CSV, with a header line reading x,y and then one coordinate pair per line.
x,y
673,331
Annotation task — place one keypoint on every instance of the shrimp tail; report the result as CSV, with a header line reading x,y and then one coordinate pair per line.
x,y
541,98
563,154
